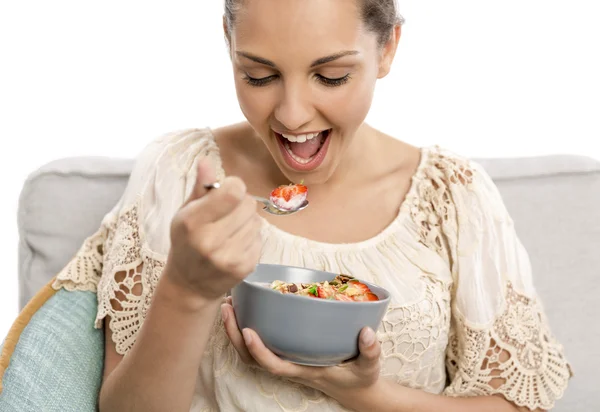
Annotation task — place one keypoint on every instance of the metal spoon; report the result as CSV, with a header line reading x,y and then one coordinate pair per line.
x,y
269,206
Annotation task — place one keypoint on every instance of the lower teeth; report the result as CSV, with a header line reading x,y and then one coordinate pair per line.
x,y
295,157
299,159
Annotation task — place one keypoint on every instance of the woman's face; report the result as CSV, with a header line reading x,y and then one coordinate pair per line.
x,y
305,72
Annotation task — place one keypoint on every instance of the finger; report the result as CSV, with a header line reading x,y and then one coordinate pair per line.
x,y
205,175
234,334
369,350
246,263
271,362
249,240
240,253
219,203
228,226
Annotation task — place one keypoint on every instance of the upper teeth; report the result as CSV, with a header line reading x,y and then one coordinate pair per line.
x,y
301,138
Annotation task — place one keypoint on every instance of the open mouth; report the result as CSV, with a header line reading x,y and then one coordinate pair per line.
x,y
305,151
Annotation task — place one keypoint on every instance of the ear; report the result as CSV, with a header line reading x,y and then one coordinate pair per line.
x,y
389,51
226,30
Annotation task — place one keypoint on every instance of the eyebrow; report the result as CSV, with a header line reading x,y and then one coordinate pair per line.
x,y
318,62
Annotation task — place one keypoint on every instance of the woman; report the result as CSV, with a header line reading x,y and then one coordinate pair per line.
x,y
464,332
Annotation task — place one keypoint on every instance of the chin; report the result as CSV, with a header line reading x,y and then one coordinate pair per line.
x,y
310,178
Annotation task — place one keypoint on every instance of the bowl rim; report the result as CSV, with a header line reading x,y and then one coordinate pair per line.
x,y
256,286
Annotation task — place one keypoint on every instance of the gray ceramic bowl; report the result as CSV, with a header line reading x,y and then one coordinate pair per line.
x,y
306,331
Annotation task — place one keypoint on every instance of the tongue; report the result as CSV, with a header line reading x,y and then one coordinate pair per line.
x,y
307,149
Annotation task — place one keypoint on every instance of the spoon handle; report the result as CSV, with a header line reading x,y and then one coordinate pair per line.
x,y
262,200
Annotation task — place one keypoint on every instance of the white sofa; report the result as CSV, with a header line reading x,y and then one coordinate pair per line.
x,y
555,202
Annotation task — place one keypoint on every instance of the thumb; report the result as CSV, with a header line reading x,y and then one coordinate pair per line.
x,y
205,175
369,349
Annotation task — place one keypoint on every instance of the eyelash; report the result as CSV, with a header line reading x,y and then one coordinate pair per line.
x,y
326,81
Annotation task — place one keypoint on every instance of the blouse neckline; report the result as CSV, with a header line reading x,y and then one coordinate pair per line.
x,y
373,241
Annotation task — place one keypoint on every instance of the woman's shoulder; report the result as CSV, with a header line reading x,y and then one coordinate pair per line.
x,y
458,185
180,148
173,156
164,168
447,166
449,171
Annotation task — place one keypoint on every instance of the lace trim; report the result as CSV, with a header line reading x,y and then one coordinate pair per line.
x,y
84,270
414,339
130,276
432,207
516,357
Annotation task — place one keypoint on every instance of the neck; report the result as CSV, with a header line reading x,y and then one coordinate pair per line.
x,y
354,166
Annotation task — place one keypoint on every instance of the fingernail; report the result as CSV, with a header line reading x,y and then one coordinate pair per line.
x,y
247,336
368,337
224,313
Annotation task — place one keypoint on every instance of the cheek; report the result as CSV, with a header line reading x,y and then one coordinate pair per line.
x,y
348,107
254,102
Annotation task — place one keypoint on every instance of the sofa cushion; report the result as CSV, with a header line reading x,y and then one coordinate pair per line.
x,y
58,361
60,205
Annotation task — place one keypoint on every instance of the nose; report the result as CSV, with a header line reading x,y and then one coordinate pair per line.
x,y
295,108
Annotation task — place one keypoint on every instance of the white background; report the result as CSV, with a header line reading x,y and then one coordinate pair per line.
x,y
504,78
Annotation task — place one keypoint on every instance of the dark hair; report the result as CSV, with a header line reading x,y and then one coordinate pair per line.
x,y
379,16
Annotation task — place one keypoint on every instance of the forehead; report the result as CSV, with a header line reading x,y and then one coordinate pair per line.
x,y
279,29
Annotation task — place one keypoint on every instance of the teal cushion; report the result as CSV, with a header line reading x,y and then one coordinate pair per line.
x,y
57,364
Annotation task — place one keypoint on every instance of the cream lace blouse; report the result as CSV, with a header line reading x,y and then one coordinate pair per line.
x,y
464,309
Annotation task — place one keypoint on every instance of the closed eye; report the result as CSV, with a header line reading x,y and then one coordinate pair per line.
x,y
329,82
326,81
263,81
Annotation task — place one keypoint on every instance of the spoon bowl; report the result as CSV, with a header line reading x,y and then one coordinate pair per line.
x,y
268,206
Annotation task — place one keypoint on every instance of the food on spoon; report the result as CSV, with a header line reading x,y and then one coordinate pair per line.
x,y
289,197
343,288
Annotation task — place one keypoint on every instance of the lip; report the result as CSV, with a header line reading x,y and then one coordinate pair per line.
x,y
310,166
299,134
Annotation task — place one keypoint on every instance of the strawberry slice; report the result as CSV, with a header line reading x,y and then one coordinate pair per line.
x,y
343,298
355,284
289,197
367,297
324,292
371,297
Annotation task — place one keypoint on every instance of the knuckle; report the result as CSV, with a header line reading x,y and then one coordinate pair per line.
x,y
233,190
206,247
220,261
238,272
241,270
230,265
187,224
230,198
182,228
238,184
